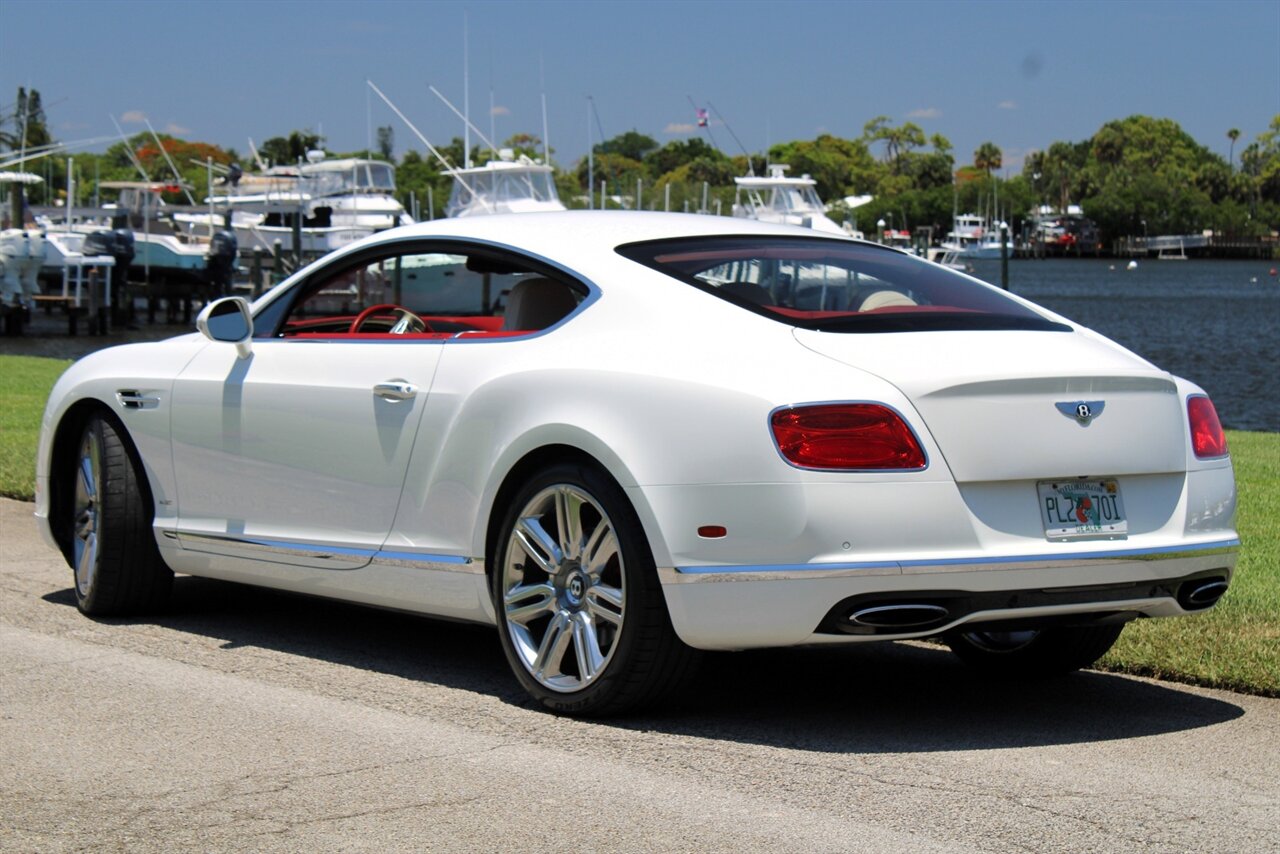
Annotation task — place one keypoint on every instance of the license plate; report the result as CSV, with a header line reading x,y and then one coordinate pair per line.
x,y
1082,508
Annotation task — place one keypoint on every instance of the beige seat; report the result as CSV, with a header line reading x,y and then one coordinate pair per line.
x,y
885,299
537,304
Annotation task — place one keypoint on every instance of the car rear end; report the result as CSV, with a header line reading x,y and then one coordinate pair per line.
x,y
954,460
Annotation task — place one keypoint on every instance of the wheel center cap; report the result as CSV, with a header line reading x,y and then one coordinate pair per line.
x,y
575,588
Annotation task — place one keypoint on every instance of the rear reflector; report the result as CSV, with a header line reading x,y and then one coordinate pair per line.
x,y
847,436
1207,438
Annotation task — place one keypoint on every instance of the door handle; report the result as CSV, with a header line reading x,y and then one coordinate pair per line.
x,y
395,390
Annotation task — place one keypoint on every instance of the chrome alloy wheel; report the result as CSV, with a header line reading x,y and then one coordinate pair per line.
x,y
562,588
86,517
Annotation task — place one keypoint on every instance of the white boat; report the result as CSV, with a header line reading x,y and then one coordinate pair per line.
x,y
971,238
948,258
21,253
509,184
777,198
65,260
330,203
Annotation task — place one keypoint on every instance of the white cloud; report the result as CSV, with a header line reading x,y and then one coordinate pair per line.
x,y
1008,105
134,117
676,127
925,113
175,129
499,110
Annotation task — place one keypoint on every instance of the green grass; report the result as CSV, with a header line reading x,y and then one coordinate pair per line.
x,y
25,382
1235,646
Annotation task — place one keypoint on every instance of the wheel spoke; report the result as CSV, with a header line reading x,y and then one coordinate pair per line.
x,y
538,544
86,562
569,521
526,602
600,549
86,484
586,645
605,603
547,663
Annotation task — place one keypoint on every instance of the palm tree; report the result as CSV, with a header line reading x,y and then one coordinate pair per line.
x,y
988,157
1232,135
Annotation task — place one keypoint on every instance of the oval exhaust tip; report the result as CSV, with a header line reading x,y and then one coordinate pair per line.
x,y
1206,594
905,616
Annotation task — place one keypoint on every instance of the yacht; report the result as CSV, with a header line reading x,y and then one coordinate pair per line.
x,y
971,238
329,203
777,198
509,184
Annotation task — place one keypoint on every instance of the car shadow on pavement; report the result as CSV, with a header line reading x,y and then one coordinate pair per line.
x,y
871,698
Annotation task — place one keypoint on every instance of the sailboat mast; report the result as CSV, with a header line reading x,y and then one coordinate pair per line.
x,y
466,95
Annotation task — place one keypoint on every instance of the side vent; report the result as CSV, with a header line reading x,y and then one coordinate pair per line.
x,y
130,398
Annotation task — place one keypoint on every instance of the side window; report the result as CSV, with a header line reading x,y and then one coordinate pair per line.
x,y
439,293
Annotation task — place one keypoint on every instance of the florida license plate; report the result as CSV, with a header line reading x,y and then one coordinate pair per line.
x,y
1082,508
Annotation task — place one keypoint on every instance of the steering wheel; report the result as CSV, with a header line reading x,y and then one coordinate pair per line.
x,y
406,321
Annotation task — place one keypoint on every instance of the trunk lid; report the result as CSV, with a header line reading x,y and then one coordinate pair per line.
x,y
1004,405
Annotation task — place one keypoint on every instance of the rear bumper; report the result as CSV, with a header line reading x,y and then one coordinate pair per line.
x,y
738,607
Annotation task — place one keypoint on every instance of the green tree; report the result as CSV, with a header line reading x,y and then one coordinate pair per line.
x,y
839,166
1232,135
386,141
290,149
897,140
631,145
927,170
988,157
677,153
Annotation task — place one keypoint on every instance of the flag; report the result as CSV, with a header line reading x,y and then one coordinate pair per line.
x,y
702,118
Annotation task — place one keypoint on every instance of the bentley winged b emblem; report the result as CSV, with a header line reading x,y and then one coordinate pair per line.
x,y
1083,411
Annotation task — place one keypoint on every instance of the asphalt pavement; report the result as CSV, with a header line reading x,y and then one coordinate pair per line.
x,y
250,720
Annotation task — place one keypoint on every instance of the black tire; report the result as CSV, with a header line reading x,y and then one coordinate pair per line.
x,y
545,602
1044,652
115,562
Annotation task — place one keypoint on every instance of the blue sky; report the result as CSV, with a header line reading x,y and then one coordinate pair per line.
x,y
1019,74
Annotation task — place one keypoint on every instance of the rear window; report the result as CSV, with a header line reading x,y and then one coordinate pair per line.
x,y
835,285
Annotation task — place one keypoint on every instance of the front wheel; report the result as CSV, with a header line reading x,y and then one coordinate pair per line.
x,y
118,568
581,614
1034,652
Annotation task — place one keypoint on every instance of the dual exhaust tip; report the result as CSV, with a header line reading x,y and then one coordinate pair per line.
x,y
1194,595
889,617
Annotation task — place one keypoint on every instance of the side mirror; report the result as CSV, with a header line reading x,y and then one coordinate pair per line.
x,y
228,320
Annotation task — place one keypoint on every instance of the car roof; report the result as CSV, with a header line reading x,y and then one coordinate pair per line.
x,y
569,231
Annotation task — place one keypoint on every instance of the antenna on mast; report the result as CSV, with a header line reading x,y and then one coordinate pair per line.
x,y
257,158
483,138
546,143
169,160
750,169
466,93
447,165
128,150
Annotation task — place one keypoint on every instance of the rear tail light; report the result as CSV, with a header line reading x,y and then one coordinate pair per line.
x,y
1207,438
849,436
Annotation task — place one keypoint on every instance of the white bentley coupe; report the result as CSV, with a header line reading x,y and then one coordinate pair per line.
x,y
623,438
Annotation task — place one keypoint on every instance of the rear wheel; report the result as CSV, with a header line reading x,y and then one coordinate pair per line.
x,y
118,568
581,614
1034,652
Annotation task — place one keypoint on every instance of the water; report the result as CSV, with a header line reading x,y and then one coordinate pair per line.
x,y
1208,321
